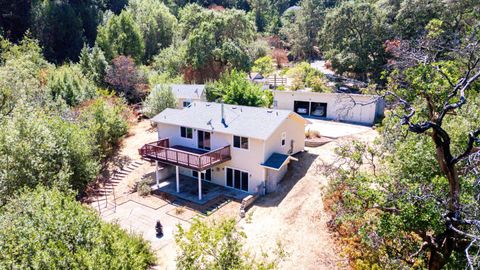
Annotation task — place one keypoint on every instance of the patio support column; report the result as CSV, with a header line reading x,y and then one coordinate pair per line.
x,y
157,173
178,179
199,186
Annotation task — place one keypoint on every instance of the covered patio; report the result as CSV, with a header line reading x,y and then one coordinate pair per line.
x,y
188,190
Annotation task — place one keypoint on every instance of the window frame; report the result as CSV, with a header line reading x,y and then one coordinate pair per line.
x,y
184,132
283,139
240,141
241,174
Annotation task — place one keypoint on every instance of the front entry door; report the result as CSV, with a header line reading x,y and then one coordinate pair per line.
x,y
203,139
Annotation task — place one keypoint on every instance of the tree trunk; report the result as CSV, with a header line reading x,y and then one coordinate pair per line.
x,y
441,250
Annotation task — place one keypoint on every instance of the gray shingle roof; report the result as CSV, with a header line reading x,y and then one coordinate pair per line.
x,y
187,91
245,121
275,161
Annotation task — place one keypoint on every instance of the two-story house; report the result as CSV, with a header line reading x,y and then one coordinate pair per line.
x,y
240,147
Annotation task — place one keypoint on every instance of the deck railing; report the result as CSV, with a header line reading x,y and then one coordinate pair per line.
x,y
161,151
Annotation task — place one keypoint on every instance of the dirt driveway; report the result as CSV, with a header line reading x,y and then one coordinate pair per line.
x,y
336,130
295,215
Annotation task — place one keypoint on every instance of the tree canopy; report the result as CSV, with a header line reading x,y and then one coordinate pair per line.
x,y
47,229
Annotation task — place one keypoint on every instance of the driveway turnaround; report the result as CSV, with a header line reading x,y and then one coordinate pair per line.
x,y
335,130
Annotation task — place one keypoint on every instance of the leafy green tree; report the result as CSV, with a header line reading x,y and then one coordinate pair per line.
x,y
264,66
301,28
353,36
156,23
215,40
68,83
217,245
121,35
421,197
94,65
106,120
160,98
21,76
305,76
48,229
63,26
36,148
235,88
170,60
414,15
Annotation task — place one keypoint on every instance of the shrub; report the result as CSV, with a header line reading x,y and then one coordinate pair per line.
x,y
219,245
264,66
36,148
68,83
106,120
143,188
179,210
159,99
48,229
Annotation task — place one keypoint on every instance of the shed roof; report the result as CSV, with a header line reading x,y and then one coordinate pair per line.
x,y
276,161
187,91
253,122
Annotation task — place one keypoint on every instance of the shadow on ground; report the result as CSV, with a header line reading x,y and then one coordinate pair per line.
x,y
296,171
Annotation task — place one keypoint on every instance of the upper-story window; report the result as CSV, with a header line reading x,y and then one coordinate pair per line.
x,y
284,138
186,132
240,142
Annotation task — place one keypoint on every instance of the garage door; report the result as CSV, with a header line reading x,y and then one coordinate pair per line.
x,y
319,109
302,107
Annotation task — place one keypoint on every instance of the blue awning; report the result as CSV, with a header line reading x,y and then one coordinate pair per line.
x,y
277,161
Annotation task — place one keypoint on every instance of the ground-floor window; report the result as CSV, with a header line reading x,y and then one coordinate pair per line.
x,y
186,104
207,175
237,179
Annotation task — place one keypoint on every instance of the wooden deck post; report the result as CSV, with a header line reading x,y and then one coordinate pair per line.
x,y
157,174
178,179
199,186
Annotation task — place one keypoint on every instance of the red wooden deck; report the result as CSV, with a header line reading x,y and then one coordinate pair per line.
x,y
183,156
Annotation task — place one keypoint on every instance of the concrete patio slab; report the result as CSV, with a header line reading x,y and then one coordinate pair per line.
x,y
189,190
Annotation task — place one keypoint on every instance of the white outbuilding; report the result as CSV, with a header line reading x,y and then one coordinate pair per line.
x,y
345,107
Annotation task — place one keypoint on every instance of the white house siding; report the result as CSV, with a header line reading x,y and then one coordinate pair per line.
x,y
181,100
245,160
340,107
274,177
294,127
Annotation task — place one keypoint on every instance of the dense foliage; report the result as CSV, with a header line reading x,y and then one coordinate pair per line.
x,y
218,245
47,229
236,88
411,200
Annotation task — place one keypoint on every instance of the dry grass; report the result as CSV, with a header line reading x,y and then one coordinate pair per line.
x,y
312,133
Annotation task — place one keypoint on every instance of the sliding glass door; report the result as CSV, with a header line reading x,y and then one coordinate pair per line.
x,y
237,179
203,140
